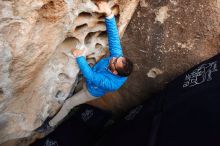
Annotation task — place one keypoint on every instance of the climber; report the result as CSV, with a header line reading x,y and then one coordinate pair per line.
x,y
108,75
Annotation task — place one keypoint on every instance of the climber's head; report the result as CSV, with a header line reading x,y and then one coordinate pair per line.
x,y
121,66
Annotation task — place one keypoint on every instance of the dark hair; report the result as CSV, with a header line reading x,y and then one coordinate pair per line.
x,y
127,68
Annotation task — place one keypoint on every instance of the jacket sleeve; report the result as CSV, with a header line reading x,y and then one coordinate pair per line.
x,y
115,48
97,79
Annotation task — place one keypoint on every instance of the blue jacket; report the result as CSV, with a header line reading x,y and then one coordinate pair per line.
x,y
99,79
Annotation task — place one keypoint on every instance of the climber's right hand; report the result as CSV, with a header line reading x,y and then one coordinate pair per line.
x,y
103,7
77,52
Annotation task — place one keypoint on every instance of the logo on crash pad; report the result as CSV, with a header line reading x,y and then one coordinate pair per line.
x,y
201,74
50,142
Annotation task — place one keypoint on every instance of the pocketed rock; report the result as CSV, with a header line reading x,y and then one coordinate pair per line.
x,y
37,69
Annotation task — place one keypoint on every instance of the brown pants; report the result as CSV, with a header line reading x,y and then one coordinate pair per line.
x,y
79,98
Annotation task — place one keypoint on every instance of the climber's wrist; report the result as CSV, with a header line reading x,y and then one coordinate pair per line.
x,y
109,15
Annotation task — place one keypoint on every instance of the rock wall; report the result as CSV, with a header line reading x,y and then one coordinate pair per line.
x,y
166,38
37,70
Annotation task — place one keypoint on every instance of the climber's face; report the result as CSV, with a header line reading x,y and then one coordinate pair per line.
x,y
115,64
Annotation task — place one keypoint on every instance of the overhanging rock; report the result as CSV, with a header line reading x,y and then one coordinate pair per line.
x,y
36,66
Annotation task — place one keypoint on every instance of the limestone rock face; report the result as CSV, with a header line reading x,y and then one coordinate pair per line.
x,y
37,70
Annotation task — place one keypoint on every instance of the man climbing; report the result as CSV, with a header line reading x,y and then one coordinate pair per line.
x,y
108,75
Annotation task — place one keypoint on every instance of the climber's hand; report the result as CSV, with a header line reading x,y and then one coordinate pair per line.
x,y
77,52
103,7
